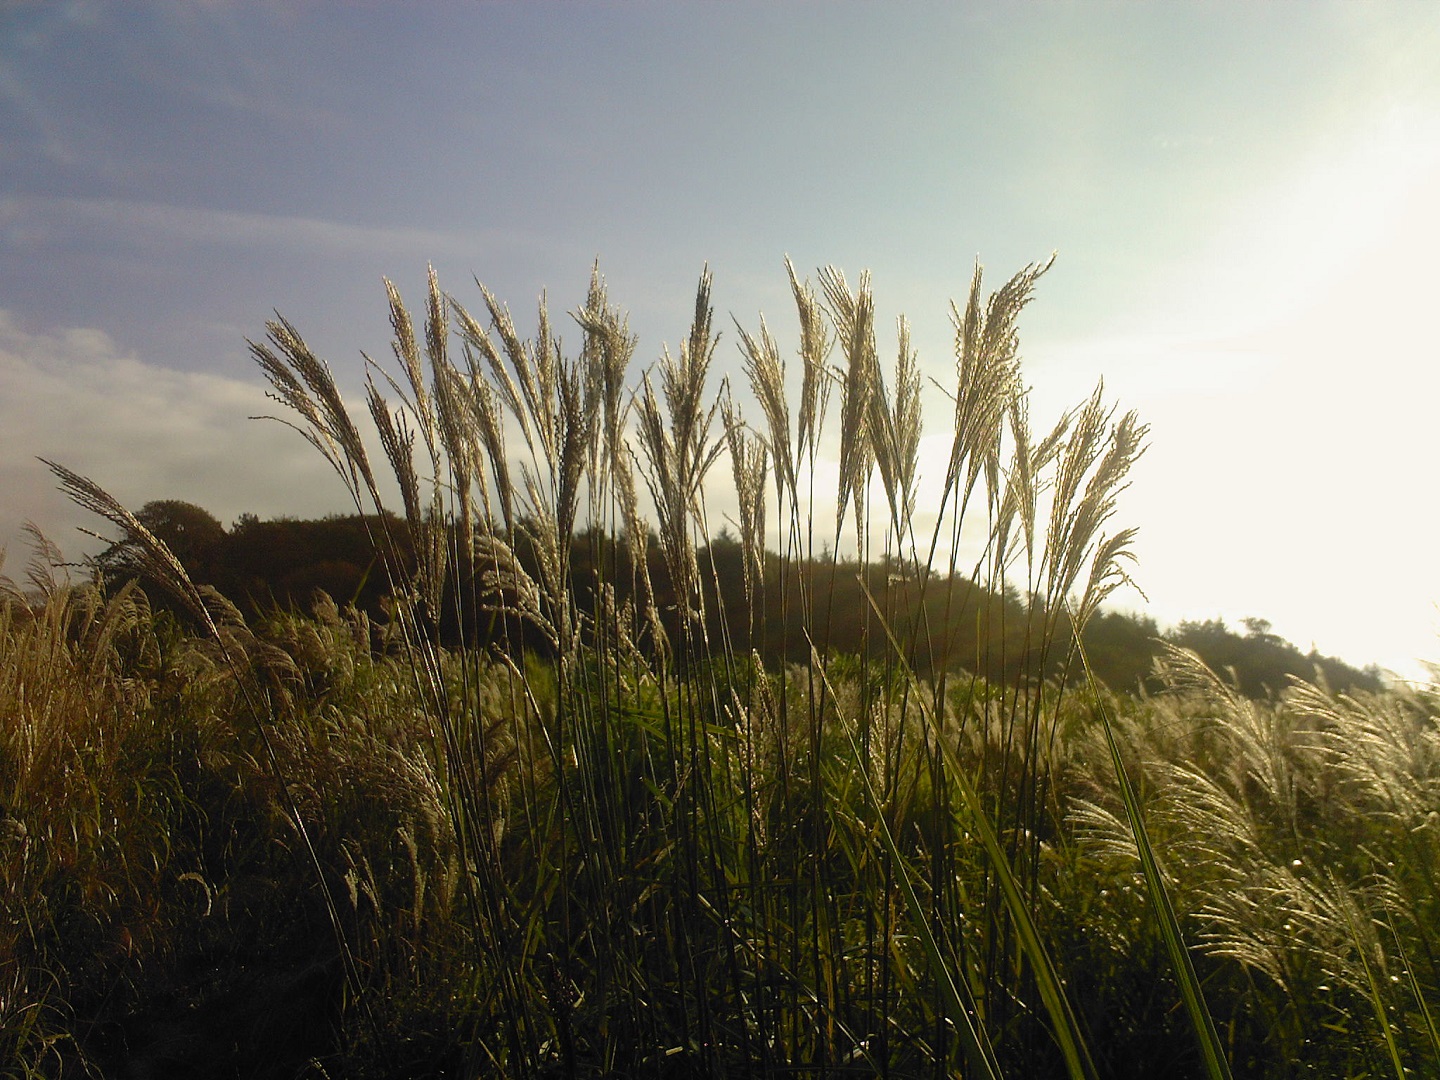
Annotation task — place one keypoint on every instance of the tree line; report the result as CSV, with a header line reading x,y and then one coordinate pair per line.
x,y
280,564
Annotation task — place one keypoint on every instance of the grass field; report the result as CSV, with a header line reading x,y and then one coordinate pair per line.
x,y
320,845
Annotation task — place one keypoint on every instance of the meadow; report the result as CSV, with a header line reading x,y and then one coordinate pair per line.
x,y
622,839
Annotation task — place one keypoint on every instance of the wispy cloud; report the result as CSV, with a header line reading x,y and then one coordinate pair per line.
x,y
48,220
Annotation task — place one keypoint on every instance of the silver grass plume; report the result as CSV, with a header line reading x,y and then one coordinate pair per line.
x,y
607,351
987,370
766,372
1101,460
485,402
854,318
815,345
894,425
678,448
303,383
748,462
155,559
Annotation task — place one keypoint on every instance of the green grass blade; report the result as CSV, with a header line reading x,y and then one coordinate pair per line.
x,y
1415,989
1065,1026
1346,903
1216,1065
957,992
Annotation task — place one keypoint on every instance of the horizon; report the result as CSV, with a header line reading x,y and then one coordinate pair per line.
x,y
1242,199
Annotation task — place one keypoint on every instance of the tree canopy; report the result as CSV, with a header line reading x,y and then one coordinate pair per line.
x,y
261,565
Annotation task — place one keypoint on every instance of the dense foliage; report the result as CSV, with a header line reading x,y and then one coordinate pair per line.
x,y
264,566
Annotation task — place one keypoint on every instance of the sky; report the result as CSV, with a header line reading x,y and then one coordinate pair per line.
x,y
1243,199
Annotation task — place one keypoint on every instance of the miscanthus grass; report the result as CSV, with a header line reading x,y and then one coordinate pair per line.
x,y
703,883
623,838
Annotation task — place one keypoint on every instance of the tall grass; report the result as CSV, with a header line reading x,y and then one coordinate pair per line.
x,y
700,878
1299,833
617,843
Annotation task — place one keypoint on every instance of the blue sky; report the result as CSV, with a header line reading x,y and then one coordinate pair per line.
x,y
1243,198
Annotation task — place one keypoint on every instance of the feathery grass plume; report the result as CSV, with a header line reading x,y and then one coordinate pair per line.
x,y
154,559
407,353
1262,759
894,425
1107,573
441,420
1071,517
578,387
455,416
515,592
854,318
678,449
538,389
514,352
485,401
1384,749
661,468
748,462
607,351
815,346
1098,454
303,383
1023,482
987,370
554,402
45,570
397,441
766,373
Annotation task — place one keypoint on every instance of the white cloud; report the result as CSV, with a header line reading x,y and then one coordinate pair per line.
x,y
142,432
